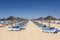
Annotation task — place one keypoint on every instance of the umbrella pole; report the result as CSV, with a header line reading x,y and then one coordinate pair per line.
x,y
41,21
49,23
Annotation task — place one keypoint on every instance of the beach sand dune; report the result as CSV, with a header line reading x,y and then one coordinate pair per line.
x,y
28,32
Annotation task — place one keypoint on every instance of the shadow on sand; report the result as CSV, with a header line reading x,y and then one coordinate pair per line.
x,y
58,30
23,29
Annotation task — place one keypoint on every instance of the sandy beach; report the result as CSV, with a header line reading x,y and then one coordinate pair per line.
x,y
28,32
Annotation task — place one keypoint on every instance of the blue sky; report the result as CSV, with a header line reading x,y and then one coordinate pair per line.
x,y
29,8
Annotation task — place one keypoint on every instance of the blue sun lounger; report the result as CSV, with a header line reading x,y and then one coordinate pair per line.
x,y
58,22
16,27
44,29
53,30
50,30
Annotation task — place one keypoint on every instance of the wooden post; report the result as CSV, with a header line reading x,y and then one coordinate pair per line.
x,y
49,22
54,21
11,22
4,23
41,21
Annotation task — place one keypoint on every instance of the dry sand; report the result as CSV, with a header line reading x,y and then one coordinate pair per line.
x,y
28,32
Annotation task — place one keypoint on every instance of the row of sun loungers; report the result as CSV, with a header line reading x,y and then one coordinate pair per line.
x,y
53,22
39,24
18,26
46,29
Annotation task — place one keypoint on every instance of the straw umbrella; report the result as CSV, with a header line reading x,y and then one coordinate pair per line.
x,y
4,21
12,19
